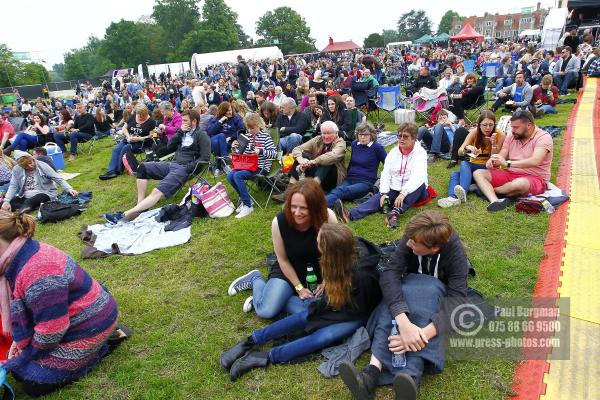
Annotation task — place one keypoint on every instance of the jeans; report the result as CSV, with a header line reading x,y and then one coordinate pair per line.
x,y
501,83
423,294
289,142
348,190
296,305
437,143
236,180
372,205
548,109
459,138
218,146
270,298
311,343
463,177
116,164
24,141
78,137
101,134
563,81
23,204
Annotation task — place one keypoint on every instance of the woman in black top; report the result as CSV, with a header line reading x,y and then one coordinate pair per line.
x,y
294,233
103,123
35,135
319,84
352,292
468,97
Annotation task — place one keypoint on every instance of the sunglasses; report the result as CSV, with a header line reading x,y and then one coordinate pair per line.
x,y
403,136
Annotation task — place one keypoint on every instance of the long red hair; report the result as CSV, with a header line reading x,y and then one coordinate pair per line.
x,y
315,201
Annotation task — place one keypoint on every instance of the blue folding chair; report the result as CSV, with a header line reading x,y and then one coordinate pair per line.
x,y
389,99
488,72
469,66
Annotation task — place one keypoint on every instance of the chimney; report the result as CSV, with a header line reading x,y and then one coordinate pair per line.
x,y
330,40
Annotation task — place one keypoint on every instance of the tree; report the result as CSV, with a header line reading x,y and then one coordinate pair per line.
x,y
244,39
58,73
373,40
413,24
87,62
32,74
446,22
9,67
288,28
200,41
221,20
177,17
389,36
127,44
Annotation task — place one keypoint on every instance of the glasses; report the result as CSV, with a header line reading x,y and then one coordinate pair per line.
x,y
404,136
364,134
487,125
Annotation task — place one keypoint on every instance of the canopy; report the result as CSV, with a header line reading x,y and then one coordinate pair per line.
x,y
554,23
529,32
423,39
230,56
444,37
340,46
467,33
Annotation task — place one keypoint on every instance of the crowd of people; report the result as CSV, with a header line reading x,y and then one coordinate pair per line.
x,y
324,278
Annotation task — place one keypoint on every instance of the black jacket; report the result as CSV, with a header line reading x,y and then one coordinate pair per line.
x,y
453,268
199,150
242,72
299,123
425,81
85,123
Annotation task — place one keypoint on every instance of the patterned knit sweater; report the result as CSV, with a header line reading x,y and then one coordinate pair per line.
x,y
61,316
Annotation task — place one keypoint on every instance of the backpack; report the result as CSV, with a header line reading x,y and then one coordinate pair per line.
x,y
130,163
54,211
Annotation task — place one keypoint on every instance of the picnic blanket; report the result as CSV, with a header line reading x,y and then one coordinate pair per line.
x,y
66,175
387,138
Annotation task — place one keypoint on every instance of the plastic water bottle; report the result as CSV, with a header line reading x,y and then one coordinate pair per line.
x,y
398,360
547,206
311,278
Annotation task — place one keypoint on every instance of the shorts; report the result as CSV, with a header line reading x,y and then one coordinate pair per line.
x,y
537,184
172,175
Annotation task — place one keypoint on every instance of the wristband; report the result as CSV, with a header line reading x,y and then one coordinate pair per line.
x,y
299,287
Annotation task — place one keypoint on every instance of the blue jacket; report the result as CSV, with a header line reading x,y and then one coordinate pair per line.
x,y
501,73
230,127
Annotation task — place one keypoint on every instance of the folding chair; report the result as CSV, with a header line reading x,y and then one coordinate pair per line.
x,y
471,114
389,99
273,179
488,72
88,146
469,66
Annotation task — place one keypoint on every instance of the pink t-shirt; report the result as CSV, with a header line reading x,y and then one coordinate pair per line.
x,y
521,150
7,127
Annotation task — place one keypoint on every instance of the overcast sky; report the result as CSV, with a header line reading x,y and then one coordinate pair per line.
x,y
57,26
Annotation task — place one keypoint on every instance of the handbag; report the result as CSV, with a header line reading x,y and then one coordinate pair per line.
x,y
216,202
244,162
529,206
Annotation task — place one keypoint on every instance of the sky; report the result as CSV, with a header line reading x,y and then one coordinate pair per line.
x,y
60,25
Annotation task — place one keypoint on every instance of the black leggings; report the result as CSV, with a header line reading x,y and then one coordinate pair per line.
x,y
459,138
327,174
25,205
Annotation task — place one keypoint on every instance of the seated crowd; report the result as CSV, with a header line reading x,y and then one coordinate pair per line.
x,y
325,281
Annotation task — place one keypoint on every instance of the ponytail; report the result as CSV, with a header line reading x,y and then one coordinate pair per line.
x,y
15,224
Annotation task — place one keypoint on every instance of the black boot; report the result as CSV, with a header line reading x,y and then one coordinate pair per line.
x,y
231,355
252,359
405,387
362,384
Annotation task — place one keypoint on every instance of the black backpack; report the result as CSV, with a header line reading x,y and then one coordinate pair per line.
x,y
54,211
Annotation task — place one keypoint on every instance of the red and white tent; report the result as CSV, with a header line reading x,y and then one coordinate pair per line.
x,y
468,33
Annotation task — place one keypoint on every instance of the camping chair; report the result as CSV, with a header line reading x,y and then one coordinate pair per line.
x,y
471,114
469,66
274,181
389,99
428,107
19,123
488,72
198,173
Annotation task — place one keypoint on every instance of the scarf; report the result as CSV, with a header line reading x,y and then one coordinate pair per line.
x,y
5,290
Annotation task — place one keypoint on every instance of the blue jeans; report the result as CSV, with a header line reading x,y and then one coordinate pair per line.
x,y
237,180
218,146
463,177
563,81
59,139
372,205
101,134
289,142
270,298
501,83
24,141
78,137
348,190
439,141
548,109
296,305
423,294
116,164
311,343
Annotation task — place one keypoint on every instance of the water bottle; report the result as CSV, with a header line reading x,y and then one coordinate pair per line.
x,y
398,360
386,206
311,278
547,206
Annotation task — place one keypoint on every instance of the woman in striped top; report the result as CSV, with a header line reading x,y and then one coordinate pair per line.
x,y
59,317
259,143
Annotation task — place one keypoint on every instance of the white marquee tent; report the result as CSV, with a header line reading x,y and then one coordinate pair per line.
x,y
230,56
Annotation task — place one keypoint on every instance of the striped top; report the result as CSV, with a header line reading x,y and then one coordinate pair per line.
x,y
61,316
268,151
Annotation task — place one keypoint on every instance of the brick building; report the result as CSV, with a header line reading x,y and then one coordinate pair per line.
x,y
505,26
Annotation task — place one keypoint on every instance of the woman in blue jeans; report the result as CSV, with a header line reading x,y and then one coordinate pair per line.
x,y
260,144
351,294
294,234
222,130
482,142
35,135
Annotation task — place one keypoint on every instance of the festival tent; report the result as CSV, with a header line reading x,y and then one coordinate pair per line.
x,y
230,56
467,33
424,39
333,47
444,37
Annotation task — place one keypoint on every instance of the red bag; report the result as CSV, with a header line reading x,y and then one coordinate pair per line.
x,y
244,162
529,206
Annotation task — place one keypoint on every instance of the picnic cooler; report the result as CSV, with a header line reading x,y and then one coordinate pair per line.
x,y
403,115
55,153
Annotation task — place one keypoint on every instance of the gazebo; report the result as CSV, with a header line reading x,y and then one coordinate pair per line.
x,y
333,47
424,39
468,33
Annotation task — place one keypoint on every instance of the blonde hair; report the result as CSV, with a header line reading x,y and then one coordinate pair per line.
x,y
254,120
23,161
141,110
13,225
7,160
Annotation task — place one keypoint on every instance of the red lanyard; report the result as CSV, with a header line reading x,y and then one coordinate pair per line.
x,y
403,168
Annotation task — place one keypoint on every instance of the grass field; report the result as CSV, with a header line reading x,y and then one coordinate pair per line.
x,y
176,299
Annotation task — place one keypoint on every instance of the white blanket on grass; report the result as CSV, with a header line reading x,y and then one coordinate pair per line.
x,y
141,235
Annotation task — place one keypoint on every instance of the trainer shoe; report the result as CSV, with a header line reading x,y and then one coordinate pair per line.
x,y
341,212
460,193
114,218
217,173
448,202
498,205
239,208
245,211
392,220
244,282
405,387
248,305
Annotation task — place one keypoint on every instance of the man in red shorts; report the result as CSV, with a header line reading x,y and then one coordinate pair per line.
x,y
521,168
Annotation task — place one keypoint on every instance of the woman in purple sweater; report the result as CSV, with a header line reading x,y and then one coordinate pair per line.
x,y
223,130
362,170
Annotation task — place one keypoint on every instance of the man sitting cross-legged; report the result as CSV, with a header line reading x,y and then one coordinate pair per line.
x,y
191,145
526,157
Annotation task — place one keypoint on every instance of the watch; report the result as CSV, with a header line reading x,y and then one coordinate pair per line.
x,y
508,163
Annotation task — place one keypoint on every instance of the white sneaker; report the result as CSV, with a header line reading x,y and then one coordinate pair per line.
x,y
248,306
448,202
460,193
245,211
217,173
239,208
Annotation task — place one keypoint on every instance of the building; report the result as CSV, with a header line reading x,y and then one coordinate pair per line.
x,y
333,47
505,26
